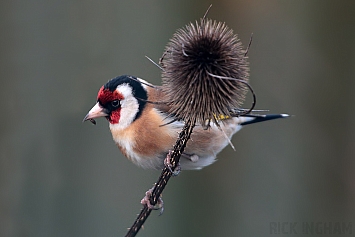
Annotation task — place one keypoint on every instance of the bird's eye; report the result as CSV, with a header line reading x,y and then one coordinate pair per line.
x,y
115,103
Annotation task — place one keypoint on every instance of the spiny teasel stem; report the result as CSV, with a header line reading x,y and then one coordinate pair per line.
x,y
165,175
204,74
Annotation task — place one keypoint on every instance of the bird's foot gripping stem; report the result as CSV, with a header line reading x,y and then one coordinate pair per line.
x,y
168,164
157,206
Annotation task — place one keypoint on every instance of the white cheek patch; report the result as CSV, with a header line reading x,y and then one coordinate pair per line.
x,y
129,107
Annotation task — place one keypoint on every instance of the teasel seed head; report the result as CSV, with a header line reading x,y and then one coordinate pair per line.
x,y
193,65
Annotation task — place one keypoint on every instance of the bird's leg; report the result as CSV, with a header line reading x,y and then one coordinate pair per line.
x,y
146,201
193,158
168,164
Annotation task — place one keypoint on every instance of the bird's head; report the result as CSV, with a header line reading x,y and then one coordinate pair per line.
x,y
121,101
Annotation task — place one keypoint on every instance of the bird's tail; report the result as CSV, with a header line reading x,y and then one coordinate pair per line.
x,y
256,118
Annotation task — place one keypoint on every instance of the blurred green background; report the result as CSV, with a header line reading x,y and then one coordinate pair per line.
x,y
62,177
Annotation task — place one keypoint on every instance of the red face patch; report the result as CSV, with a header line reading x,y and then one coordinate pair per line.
x,y
105,96
115,116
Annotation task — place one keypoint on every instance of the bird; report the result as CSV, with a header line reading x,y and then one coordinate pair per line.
x,y
145,132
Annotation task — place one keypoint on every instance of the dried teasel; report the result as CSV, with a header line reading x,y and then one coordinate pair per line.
x,y
204,72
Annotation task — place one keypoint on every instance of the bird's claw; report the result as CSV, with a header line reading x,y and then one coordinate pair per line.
x,y
168,165
146,201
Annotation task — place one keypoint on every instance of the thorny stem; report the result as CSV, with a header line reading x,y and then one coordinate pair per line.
x,y
166,174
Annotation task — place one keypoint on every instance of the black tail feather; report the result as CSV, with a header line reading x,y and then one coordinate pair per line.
x,y
261,118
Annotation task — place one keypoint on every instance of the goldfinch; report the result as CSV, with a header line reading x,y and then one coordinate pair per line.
x,y
145,133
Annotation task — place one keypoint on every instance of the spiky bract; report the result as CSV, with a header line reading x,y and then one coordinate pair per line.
x,y
192,55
